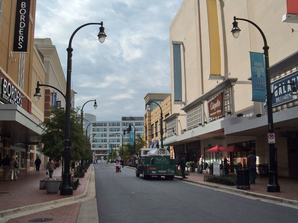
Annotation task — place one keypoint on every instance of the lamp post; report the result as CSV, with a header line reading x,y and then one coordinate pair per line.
x,y
273,183
37,94
66,188
82,112
121,142
161,125
87,127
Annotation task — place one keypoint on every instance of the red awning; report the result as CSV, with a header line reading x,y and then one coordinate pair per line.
x,y
215,149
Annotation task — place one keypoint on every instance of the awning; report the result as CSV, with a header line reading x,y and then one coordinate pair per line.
x,y
18,125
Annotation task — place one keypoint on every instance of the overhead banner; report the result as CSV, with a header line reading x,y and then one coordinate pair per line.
x,y
258,76
21,26
131,138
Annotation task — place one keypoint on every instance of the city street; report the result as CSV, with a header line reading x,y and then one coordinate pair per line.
x,y
122,197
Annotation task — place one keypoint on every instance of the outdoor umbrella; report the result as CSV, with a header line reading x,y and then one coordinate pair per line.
x,y
215,149
236,148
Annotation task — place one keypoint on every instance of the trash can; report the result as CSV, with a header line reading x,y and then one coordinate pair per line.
x,y
242,179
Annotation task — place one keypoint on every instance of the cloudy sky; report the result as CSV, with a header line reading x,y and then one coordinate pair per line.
x,y
133,61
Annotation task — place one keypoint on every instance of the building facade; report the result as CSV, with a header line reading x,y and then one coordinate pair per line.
x,y
108,135
23,62
160,108
212,97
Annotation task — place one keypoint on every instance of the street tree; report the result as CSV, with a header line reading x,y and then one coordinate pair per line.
x,y
53,136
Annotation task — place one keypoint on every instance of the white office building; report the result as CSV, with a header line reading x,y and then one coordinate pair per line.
x,y
108,135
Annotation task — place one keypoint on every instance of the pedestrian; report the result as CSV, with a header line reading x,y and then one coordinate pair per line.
x,y
6,166
225,165
182,164
201,163
50,167
37,164
14,166
122,162
251,163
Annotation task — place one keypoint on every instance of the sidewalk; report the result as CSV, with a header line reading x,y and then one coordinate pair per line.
x,y
23,201
288,188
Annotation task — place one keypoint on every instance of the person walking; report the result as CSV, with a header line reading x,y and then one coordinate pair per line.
x,y
6,166
37,164
251,163
50,167
14,165
201,163
182,164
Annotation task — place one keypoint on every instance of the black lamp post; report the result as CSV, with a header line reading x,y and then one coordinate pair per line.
x,y
161,125
66,188
273,183
37,94
82,112
121,143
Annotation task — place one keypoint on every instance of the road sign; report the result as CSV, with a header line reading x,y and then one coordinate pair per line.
x,y
271,138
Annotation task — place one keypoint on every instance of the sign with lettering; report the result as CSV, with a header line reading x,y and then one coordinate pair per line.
x,y
282,89
215,106
9,93
258,76
21,26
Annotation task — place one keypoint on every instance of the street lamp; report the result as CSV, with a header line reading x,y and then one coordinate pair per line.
x,y
66,188
37,94
82,113
273,184
122,142
161,125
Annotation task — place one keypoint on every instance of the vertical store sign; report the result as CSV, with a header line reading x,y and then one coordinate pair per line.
x,y
258,76
54,99
21,26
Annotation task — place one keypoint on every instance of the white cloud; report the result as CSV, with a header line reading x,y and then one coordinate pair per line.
x,y
133,61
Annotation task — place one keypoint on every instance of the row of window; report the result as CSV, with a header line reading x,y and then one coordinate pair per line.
x,y
115,129
118,124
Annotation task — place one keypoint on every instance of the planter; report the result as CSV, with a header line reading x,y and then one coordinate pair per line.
x,y
52,186
210,171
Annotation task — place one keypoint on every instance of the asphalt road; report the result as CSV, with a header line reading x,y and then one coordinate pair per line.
x,y
123,197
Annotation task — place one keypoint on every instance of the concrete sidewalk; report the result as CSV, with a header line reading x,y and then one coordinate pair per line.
x,y
23,201
288,188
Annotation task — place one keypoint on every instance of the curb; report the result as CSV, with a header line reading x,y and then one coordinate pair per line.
x,y
50,204
245,193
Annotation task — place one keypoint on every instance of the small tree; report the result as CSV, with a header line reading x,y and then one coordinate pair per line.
x,y
53,136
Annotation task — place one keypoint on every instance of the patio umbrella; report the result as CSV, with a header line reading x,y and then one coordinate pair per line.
x,y
236,148
215,149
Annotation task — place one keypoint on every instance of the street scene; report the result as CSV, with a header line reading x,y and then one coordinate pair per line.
x,y
148,111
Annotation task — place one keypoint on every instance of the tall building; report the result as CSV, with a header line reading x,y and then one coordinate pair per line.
x,y
23,62
214,84
108,135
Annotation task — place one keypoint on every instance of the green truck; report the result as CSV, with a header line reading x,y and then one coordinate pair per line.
x,y
156,162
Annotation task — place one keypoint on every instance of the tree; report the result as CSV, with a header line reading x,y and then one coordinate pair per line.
x,y
53,136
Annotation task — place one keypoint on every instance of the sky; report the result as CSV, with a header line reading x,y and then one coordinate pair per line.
x,y
133,61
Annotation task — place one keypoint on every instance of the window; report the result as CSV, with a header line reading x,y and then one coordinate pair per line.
x,y
114,129
100,124
177,72
139,124
152,131
114,124
156,128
